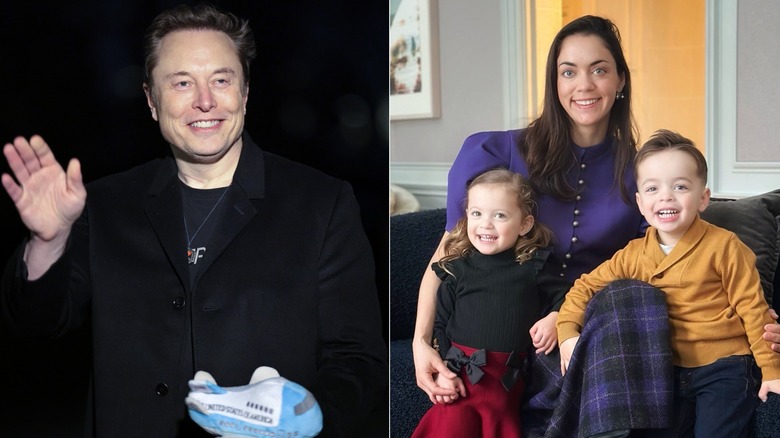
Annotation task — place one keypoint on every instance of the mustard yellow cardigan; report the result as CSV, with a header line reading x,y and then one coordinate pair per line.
x,y
714,295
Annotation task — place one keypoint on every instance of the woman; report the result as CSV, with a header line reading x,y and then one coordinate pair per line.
x,y
578,157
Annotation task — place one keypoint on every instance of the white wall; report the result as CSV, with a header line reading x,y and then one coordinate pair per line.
x,y
472,98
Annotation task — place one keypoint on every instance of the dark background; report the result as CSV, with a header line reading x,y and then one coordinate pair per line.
x,y
72,72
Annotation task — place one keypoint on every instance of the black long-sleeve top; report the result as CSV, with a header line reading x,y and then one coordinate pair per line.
x,y
492,301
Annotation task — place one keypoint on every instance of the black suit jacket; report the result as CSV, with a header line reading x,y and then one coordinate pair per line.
x,y
288,283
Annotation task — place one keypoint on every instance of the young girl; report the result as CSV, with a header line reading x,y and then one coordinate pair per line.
x,y
496,284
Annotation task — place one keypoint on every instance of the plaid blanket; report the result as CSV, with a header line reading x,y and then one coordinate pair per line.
x,y
620,375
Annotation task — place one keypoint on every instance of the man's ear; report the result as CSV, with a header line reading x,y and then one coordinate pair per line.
x,y
246,97
150,100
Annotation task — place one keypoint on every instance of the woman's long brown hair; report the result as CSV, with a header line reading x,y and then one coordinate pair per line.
x,y
545,145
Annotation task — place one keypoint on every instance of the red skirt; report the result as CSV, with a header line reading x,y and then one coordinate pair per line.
x,y
488,410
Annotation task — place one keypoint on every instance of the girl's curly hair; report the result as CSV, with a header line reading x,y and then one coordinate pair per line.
x,y
457,243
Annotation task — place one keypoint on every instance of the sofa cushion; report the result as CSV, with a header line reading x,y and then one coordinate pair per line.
x,y
413,239
756,221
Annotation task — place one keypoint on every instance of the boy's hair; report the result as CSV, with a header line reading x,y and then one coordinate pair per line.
x,y
458,244
666,140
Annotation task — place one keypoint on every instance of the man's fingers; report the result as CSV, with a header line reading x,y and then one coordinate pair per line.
x,y
27,157
43,153
75,179
16,163
27,153
10,186
34,154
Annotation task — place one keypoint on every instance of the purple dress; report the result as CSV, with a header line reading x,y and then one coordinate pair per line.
x,y
589,229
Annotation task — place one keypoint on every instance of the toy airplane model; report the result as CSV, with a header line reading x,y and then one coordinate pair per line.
x,y
269,406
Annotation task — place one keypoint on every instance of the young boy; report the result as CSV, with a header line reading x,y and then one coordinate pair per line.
x,y
716,305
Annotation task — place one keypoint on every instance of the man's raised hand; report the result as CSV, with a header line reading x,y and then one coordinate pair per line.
x,y
48,198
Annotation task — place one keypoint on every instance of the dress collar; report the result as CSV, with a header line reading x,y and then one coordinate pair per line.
x,y
592,152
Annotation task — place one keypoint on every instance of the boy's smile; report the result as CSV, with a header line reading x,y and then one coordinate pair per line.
x,y
670,195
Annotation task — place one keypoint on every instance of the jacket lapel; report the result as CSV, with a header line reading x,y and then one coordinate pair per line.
x,y
236,215
248,184
165,214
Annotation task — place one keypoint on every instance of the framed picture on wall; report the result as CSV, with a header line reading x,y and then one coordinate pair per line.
x,y
414,60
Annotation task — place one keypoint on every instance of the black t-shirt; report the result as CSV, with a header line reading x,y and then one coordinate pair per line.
x,y
201,215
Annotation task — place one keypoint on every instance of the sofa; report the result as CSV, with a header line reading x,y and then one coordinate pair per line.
x,y
414,237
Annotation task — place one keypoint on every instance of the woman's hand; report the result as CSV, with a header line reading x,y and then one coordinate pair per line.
x,y
427,363
567,348
772,332
543,334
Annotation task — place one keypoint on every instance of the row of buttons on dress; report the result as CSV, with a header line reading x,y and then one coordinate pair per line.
x,y
575,223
